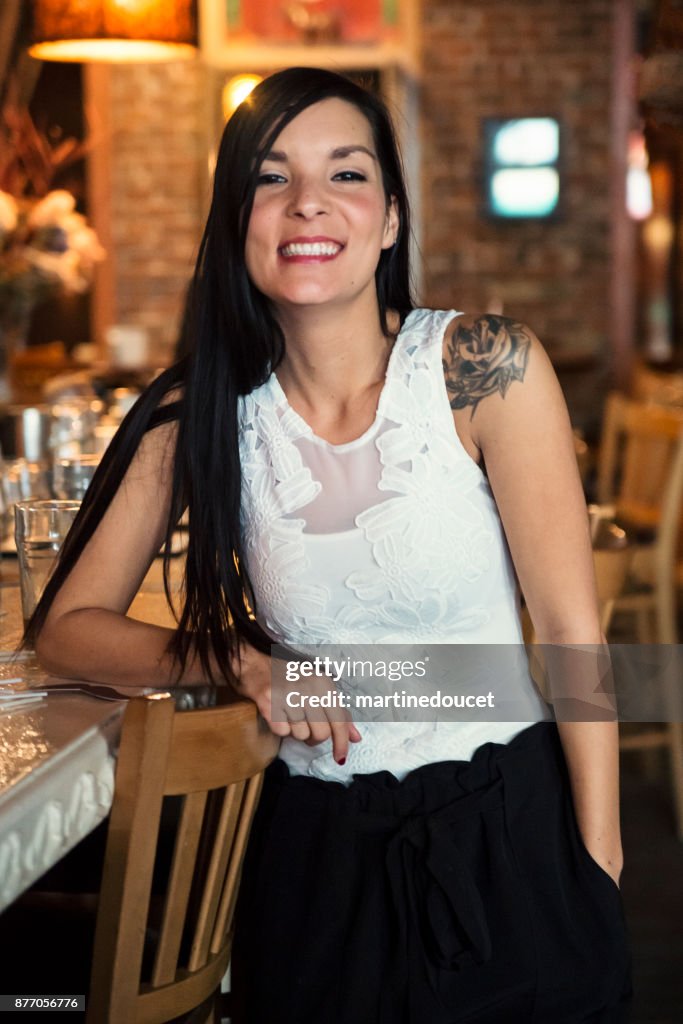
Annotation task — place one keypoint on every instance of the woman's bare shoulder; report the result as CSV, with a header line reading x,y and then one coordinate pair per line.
x,y
156,447
484,354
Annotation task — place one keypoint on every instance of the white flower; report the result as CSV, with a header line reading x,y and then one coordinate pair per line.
x,y
349,626
52,210
396,574
82,240
435,618
265,426
45,248
417,410
431,523
283,601
266,505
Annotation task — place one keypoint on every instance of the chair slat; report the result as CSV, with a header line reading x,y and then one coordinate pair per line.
x,y
178,894
129,860
221,851
229,895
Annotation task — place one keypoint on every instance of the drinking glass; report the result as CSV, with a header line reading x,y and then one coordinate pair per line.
x,y
19,480
40,529
73,425
71,476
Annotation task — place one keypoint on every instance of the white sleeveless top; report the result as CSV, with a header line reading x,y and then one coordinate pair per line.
x,y
391,538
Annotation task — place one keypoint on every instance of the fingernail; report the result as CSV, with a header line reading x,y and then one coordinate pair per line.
x,y
340,760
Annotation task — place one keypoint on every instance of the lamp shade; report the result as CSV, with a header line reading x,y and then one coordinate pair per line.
x,y
114,31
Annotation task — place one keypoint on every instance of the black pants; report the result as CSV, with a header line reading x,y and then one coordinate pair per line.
x,y
462,894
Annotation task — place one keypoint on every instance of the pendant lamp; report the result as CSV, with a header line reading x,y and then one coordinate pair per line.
x,y
114,31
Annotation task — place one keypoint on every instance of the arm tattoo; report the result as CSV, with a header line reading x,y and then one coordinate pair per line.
x,y
483,358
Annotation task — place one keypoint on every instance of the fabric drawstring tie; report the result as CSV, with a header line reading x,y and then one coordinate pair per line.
x,y
434,893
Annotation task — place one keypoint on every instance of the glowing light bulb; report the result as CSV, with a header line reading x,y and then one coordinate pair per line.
x,y
235,91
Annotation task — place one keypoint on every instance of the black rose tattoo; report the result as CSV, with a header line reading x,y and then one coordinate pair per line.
x,y
484,358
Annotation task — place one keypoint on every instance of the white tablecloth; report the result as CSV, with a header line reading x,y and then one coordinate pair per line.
x,y
57,756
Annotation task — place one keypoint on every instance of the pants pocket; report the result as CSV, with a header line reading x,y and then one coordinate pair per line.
x,y
602,876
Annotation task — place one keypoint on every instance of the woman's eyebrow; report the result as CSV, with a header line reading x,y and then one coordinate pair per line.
x,y
338,153
341,152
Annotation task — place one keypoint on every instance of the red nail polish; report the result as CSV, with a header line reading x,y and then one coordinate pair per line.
x,y
341,760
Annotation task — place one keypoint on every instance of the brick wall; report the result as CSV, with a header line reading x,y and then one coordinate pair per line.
x,y
158,183
497,58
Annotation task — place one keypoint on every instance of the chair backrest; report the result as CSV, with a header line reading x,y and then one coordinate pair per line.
x,y
636,455
667,550
214,760
660,386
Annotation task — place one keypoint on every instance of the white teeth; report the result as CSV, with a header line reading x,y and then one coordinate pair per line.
x,y
311,249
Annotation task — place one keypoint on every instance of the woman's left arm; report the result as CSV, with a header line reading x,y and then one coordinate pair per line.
x,y
509,411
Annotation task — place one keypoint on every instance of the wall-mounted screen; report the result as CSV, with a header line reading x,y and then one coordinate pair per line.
x,y
522,166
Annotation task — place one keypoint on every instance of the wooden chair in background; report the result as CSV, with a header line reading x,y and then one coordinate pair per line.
x,y
214,759
640,470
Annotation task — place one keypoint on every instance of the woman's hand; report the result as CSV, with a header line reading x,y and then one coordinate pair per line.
x,y
611,859
253,680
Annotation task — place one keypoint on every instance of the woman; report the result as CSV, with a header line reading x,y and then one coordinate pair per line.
x,y
330,444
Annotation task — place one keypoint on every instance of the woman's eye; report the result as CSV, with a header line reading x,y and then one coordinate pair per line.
x,y
349,176
269,178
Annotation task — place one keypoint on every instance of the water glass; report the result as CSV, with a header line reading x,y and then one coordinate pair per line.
x,y
71,476
73,425
40,529
20,479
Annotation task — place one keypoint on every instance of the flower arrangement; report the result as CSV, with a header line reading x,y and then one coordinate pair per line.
x,y
46,247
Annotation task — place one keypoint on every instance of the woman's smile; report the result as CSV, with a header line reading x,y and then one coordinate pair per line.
x,y
310,250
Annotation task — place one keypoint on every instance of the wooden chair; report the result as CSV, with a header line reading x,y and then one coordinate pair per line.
x,y
649,494
214,759
640,471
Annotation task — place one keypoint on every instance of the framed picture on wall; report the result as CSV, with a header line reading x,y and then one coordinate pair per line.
x,y
522,178
349,34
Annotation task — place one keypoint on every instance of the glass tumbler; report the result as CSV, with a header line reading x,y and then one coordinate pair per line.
x,y
40,529
71,476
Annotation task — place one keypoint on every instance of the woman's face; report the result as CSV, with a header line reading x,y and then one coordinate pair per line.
x,y
320,217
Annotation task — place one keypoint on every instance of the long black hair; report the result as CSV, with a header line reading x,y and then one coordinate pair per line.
x,y
235,343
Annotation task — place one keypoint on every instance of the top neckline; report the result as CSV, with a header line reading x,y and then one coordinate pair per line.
x,y
307,429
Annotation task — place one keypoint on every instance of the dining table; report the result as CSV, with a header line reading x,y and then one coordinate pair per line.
x,y
58,744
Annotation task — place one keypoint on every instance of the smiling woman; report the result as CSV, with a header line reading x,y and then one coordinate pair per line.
x,y
329,441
